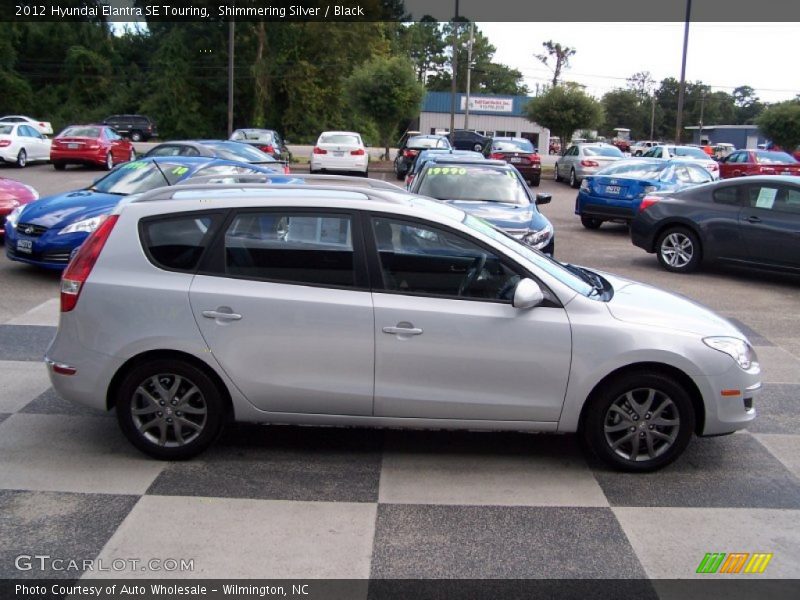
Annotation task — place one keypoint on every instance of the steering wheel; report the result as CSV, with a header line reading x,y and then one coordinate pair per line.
x,y
473,272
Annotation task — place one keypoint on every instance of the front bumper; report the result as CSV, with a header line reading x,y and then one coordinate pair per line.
x,y
730,399
49,250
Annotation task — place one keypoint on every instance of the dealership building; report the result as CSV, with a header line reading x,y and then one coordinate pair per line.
x,y
741,136
489,115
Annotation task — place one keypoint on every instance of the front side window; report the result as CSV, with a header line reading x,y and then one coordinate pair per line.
x,y
420,259
287,247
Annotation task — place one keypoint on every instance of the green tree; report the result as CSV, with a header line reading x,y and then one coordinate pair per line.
x,y
425,45
556,54
385,90
748,105
626,108
781,124
563,110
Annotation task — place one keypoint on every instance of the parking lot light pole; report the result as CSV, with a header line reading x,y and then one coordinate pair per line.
x,y
453,81
652,115
682,88
230,76
469,72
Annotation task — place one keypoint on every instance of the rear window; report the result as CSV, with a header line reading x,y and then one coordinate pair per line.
x,y
253,135
688,152
239,152
602,151
90,132
426,142
177,243
775,157
512,146
637,170
340,138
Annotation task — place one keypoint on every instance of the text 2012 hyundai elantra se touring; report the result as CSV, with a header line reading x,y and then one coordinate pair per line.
x,y
363,305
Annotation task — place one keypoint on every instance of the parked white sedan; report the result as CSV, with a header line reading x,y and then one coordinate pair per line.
x,y
339,151
43,127
21,143
690,153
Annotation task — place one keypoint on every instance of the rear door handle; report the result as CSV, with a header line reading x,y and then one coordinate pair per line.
x,y
403,330
223,316
753,219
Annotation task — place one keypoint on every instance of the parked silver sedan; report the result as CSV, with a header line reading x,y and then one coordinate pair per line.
x,y
364,305
580,160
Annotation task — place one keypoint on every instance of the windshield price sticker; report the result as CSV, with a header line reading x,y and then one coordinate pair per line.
x,y
448,171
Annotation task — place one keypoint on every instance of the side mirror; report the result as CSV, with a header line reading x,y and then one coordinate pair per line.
x,y
543,198
527,294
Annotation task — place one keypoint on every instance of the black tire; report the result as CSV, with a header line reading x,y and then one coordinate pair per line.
x,y
207,425
556,176
591,222
109,164
136,136
22,159
573,179
535,181
608,422
686,251
478,147
59,166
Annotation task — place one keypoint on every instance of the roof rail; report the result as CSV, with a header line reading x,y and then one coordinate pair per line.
x,y
266,178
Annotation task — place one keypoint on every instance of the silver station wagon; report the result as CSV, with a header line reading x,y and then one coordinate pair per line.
x,y
350,302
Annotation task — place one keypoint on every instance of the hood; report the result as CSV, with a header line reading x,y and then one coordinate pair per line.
x,y
503,215
63,209
14,193
635,302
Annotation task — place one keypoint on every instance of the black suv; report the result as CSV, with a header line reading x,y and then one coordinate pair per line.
x,y
466,139
137,127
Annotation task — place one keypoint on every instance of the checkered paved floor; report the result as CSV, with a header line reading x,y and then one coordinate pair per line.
x,y
286,502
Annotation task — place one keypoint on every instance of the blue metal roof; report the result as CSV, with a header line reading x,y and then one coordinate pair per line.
x,y
439,102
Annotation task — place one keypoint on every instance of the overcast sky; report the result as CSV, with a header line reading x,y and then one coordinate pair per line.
x,y
723,55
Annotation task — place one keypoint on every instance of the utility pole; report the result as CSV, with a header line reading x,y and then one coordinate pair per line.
x,y
469,72
454,65
682,89
652,115
230,76
702,104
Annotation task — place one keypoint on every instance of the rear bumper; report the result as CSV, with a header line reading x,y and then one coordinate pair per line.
x,y
339,163
595,206
93,157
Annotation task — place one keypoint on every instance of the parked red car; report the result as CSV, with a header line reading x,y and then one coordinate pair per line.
x,y
90,145
758,162
13,194
520,153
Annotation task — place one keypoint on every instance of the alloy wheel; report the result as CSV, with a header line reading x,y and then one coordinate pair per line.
x,y
677,250
641,424
169,410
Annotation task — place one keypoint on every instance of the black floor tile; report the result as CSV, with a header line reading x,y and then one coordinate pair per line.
x,y
25,342
50,403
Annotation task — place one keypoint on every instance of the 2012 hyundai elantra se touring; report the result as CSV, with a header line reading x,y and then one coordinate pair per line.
x,y
362,305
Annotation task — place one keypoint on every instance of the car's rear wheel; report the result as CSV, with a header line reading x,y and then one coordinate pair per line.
x,y
591,222
136,136
22,159
678,250
535,181
169,409
478,148
640,421
109,161
59,166
132,157
573,179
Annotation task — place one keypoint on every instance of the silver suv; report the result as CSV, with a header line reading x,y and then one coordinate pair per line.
x,y
363,305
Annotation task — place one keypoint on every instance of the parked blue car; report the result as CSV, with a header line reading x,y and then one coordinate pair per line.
x,y
492,190
46,232
616,192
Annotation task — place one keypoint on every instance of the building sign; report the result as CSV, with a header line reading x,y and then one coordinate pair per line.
x,y
488,104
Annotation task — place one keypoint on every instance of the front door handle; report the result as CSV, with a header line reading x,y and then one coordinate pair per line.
x,y
223,316
403,329
753,219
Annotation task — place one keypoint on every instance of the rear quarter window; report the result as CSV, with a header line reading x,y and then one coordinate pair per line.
x,y
177,243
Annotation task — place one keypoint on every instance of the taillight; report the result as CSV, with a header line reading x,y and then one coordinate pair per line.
x,y
589,163
318,150
766,170
93,146
359,152
647,202
78,269
42,125
495,156
286,169
534,158
409,153
4,143
268,149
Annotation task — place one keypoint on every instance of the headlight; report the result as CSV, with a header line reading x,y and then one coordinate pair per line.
x,y
737,349
540,238
13,217
87,225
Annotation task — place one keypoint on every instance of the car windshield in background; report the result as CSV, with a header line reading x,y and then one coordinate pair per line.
x,y
473,184
637,170
688,152
602,151
90,132
338,138
512,146
425,142
239,151
139,176
253,135
6,129
775,157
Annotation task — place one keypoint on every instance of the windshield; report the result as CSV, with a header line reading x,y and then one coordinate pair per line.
x,y
775,157
472,183
241,152
687,152
602,151
90,132
634,170
427,142
139,176
513,146
340,138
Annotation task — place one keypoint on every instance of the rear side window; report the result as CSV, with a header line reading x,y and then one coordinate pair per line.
x,y
177,243
727,195
303,248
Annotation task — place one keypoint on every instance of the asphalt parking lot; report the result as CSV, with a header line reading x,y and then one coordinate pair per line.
x,y
300,502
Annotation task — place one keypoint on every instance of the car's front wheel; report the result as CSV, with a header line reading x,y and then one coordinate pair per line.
x,y
640,421
678,250
169,409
